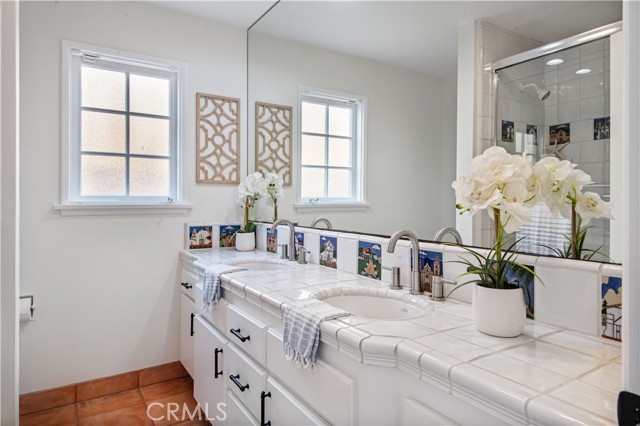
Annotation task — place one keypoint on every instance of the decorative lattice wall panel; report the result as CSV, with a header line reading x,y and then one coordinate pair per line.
x,y
218,139
273,140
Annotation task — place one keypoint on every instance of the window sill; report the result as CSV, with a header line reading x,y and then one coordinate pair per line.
x,y
331,206
110,209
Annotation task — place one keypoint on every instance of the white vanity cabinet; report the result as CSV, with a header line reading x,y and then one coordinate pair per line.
x,y
282,408
187,317
210,388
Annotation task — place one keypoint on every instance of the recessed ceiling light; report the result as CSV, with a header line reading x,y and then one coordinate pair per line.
x,y
583,71
556,61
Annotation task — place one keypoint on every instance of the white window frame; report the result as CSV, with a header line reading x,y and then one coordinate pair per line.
x,y
71,202
358,158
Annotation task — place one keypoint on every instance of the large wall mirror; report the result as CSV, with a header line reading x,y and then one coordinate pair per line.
x,y
336,72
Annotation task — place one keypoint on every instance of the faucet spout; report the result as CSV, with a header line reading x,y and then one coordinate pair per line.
x,y
416,285
448,230
292,236
322,220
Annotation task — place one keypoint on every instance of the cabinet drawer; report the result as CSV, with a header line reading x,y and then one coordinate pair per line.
x,y
326,389
237,414
217,316
247,332
245,379
188,281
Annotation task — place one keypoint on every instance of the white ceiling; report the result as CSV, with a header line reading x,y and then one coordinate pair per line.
x,y
239,13
419,35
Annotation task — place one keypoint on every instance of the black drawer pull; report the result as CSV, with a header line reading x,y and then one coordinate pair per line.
x,y
192,317
235,380
236,332
186,285
216,372
264,395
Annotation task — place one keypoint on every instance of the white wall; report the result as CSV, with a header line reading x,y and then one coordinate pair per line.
x,y
407,146
106,287
9,234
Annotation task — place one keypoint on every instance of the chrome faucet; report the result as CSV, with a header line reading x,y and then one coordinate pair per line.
x,y
448,230
322,220
292,236
416,285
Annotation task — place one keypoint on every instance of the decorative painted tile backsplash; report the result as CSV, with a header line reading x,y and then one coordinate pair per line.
x,y
329,251
611,311
299,238
272,241
369,260
228,235
526,280
431,265
198,236
601,128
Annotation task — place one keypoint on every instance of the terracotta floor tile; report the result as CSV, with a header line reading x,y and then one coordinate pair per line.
x,y
111,402
193,423
130,416
107,385
171,387
186,405
53,417
161,373
43,400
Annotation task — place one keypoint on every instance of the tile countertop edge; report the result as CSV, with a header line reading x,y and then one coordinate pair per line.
x,y
506,399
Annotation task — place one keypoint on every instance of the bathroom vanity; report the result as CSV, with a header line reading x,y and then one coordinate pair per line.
x,y
424,363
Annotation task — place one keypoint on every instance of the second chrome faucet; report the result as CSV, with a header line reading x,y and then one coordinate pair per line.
x,y
416,285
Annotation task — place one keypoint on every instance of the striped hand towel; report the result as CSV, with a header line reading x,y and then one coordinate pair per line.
x,y
302,320
211,286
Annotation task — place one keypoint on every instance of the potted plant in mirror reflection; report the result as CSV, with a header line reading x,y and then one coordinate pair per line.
x,y
250,190
559,184
274,189
503,185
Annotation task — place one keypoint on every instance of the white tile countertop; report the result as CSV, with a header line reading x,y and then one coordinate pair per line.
x,y
545,376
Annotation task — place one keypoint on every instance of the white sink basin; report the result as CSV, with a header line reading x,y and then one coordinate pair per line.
x,y
262,266
374,307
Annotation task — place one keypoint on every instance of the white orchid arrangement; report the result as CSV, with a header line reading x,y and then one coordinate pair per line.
x,y
250,190
507,186
274,189
560,187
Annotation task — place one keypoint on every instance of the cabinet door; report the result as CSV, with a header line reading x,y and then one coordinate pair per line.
x,y
187,317
282,408
416,413
237,413
208,365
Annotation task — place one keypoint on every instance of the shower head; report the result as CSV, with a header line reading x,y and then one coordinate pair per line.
x,y
542,93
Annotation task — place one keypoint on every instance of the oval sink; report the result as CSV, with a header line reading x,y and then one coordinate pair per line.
x,y
262,266
373,307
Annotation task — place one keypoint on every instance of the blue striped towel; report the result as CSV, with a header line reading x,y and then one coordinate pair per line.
x,y
211,286
302,320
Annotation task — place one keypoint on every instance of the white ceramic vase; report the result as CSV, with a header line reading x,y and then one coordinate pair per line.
x,y
498,312
245,241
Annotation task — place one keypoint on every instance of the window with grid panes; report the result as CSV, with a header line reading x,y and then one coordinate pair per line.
x,y
330,144
123,129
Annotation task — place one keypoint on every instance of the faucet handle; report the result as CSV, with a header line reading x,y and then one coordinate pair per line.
x,y
395,277
302,255
284,251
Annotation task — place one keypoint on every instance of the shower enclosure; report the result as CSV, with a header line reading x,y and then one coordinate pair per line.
x,y
555,101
